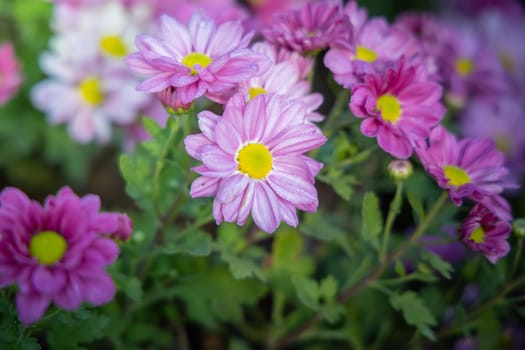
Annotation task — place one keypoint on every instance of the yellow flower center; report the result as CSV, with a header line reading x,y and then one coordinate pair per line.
x,y
478,235
47,247
256,91
365,54
90,91
255,160
456,176
196,58
464,66
389,107
112,45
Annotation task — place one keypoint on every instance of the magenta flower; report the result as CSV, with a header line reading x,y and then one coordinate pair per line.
x,y
470,167
316,26
57,252
486,233
398,108
10,78
253,161
202,59
219,10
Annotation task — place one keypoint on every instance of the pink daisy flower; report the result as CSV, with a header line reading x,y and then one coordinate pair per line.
x,y
203,59
375,45
57,253
278,54
253,161
316,26
219,10
284,79
486,233
398,108
10,78
469,167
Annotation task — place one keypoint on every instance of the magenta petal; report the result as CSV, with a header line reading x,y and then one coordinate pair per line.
x,y
265,210
100,290
204,186
70,297
31,306
47,280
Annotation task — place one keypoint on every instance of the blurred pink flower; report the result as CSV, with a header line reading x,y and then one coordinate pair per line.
x,y
316,26
398,107
57,253
10,78
253,161
202,59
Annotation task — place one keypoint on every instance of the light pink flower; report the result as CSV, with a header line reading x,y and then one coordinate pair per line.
x,y
10,78
253,161
203,59
219,10
398,107
57,253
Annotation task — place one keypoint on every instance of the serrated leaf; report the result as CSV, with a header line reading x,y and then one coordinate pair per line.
x,y
371,219
28,343
415,312
72,329
308,291
198,243
442,266
243,267
400,268
133,288
333,311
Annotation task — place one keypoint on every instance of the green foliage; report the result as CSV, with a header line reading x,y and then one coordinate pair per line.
x,y
440,265
415,312
371,220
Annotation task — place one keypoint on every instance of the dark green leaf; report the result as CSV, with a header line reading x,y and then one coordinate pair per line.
x,y
415,312
372,220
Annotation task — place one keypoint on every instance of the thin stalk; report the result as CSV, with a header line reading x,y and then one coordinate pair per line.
x,y
393,212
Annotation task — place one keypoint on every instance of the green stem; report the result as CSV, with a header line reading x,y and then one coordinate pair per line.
x,y
373,275
516,257
340,102
393,212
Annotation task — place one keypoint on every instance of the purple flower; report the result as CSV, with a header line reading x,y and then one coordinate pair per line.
x,y
57,252
470,167
486,233
316,26
253,161
202,59
10,78
398,108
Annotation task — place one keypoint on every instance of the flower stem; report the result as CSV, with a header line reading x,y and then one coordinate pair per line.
x,y
340,101
393,212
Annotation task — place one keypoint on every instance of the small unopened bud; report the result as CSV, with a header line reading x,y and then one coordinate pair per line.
x,y
518,226
400,169
169,99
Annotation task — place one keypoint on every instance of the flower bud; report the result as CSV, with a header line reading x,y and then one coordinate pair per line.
x,y
400,169
169,99
518,226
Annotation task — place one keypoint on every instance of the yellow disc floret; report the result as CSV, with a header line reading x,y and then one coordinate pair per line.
x,y
256,91
112,45
389,107
255,160
91,91
196,58
478,235
456,176
365,54
464,66
47,247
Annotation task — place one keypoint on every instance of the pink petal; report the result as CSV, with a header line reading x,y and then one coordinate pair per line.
x,y
31,306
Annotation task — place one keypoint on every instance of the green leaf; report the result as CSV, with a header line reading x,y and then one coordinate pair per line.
x,y
372,220
307,291
415,312
326,228
442,266
72,329
133,288
333,311
400,268
243,267
328,288
197,243
417,205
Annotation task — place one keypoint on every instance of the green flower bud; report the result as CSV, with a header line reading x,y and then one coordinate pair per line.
x,y
400,169
518,226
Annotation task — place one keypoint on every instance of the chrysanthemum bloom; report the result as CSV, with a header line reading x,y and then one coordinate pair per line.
x,y
375,45
57,253
486,233
265,10
89,98
470,167
253,161
283,78
398,108
219,10
316,26
203,59
278,54
10,78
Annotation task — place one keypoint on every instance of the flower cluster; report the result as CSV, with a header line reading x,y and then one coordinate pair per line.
x,y
10,78
57,253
